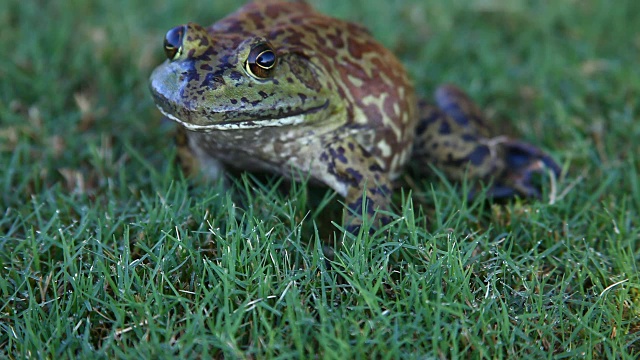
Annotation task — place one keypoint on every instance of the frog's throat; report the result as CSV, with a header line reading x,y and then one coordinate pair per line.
x,y
293,118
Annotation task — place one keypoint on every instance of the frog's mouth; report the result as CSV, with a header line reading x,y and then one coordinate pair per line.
x,y
292,118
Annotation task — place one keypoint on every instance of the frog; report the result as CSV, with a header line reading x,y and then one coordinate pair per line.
x,y
279,87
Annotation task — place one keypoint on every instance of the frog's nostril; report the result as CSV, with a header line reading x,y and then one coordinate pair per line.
x,y
213,81
173,42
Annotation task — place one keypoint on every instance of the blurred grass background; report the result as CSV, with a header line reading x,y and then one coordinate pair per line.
x,y
105,249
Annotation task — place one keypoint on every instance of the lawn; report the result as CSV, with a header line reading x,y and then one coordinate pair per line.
x,y
107,251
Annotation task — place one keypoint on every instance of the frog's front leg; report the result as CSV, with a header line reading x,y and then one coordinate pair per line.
x,y
455,137
361,179
194,161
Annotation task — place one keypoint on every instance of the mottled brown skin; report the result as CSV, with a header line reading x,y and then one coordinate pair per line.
x,y
335,105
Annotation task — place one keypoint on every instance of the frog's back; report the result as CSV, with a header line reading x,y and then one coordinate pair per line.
x,y
380,105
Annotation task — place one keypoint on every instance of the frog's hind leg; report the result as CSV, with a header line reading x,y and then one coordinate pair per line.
x,y
455,137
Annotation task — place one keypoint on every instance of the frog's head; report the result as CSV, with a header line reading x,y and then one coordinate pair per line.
x,y
232,82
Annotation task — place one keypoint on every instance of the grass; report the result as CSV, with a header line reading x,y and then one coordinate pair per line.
x,y
107,251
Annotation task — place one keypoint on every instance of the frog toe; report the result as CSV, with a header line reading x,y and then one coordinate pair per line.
x,y
525,168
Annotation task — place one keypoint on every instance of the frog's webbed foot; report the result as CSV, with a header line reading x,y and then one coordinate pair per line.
x,y
374,198
361,179
455,137
524,165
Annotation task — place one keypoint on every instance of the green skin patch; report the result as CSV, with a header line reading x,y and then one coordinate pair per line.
x,y
277,86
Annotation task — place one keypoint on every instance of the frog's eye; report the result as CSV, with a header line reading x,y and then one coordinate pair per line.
x,y
261,61
173,42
